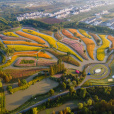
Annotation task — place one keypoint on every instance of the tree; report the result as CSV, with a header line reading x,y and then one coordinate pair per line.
x,y
83,73
80,105
60,112
74,83
89,102
19,82
71,90
83,92
23,82
53,112
75,34
51,70
34,110
51,92
98,41
85,110
63,85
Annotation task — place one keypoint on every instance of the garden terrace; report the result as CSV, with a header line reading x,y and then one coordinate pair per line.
x,y
83,32
95,37
64,57
111,38
10,34
37,39
49,39
101,50
77,46
64,48
69,35
23,43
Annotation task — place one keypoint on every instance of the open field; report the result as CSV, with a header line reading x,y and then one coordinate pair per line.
x,y
18,98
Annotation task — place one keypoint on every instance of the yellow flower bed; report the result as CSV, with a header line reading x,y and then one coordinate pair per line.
x,y
10,34
84,33
63,48
49,39
24,43
23,48
101,50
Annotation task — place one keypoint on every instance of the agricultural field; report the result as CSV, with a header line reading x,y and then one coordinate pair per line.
x,y
30,54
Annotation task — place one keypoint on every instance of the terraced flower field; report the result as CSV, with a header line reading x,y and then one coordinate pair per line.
x,y
101,50
58,36
95,37
63,48
23,43
89,43
24,48
111,38
84,33
77,46
49,39
67,34
37,39
10,34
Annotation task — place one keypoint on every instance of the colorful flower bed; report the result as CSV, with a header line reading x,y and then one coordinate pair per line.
x,y
23,43
49,39
101,50
11,38
111,38
19,64
89,43
67,34
64,57
37,39
77,46
23,48
10,34
58,36
95,37
26,53
44,62
63,48
84,33
73,31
